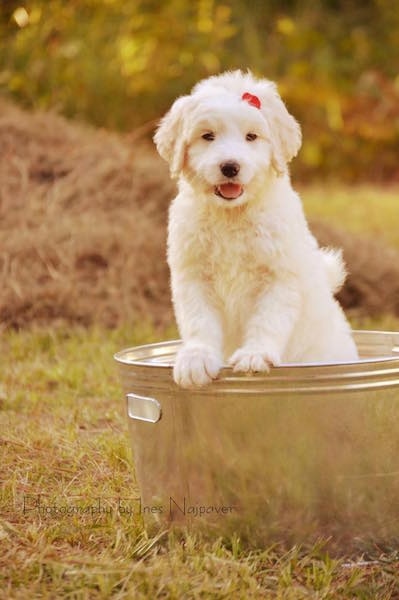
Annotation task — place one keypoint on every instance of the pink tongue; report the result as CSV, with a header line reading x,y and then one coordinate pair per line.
x,y
230,190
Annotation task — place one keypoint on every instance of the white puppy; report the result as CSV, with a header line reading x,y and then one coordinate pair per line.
x,y
250,285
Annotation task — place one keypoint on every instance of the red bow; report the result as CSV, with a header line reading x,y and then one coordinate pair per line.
x,y
251,99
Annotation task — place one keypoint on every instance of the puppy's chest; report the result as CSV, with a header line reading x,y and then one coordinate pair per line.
x,y
235,261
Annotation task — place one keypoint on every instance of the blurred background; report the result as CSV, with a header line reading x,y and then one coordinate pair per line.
x,y
83,194
120,64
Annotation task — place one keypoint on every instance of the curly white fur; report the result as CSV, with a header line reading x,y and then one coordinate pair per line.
x,y
250,285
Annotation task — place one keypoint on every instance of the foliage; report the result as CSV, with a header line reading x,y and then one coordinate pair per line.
x,y
120,64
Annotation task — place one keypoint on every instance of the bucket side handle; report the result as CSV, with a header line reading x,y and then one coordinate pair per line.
x,y
143,408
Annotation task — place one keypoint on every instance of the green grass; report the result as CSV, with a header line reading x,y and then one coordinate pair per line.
x,y
362,210
64,436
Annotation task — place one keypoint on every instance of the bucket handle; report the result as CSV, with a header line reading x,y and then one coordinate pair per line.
x,y
142,408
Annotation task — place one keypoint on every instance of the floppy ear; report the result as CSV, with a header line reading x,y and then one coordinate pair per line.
x,y
286,137
170,138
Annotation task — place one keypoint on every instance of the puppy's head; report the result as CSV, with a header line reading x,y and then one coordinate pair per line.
x,y
227,135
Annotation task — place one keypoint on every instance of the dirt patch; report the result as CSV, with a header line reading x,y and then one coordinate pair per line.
x,y
83,226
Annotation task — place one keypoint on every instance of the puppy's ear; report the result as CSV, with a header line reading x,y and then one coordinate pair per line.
x,y
286,137
170,138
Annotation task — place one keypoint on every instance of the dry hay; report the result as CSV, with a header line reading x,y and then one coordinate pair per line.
x,y
82,230
82,224
372,287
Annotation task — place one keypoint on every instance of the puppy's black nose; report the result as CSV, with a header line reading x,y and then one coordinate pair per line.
x,y
230,169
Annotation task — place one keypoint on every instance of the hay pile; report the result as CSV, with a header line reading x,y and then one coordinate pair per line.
x,y
82,224
372,287
82,230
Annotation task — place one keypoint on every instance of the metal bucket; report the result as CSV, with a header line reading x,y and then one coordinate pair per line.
x,y
304,453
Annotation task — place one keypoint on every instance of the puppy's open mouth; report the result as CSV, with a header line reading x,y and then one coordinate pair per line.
x,y
229,191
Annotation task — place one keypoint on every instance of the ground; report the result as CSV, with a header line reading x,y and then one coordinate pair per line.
x,y
83,274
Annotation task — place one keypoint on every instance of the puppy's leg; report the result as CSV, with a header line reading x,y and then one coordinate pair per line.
x,y
199,360
268,328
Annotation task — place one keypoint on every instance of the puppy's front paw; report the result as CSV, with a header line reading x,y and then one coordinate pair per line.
x,y
253,360
196,365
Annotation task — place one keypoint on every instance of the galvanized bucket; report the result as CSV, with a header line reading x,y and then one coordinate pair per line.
x,y
304,453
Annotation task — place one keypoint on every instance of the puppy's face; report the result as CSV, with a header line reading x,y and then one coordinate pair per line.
x,y
228,150
228,136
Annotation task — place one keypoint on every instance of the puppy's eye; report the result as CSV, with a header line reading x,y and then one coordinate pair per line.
x,y
209,136
251,137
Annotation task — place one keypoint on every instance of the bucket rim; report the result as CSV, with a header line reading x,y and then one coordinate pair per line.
x,y
121,356
378,370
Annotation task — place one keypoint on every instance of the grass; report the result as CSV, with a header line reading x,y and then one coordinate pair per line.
x,y
67,474
64,439
360,210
